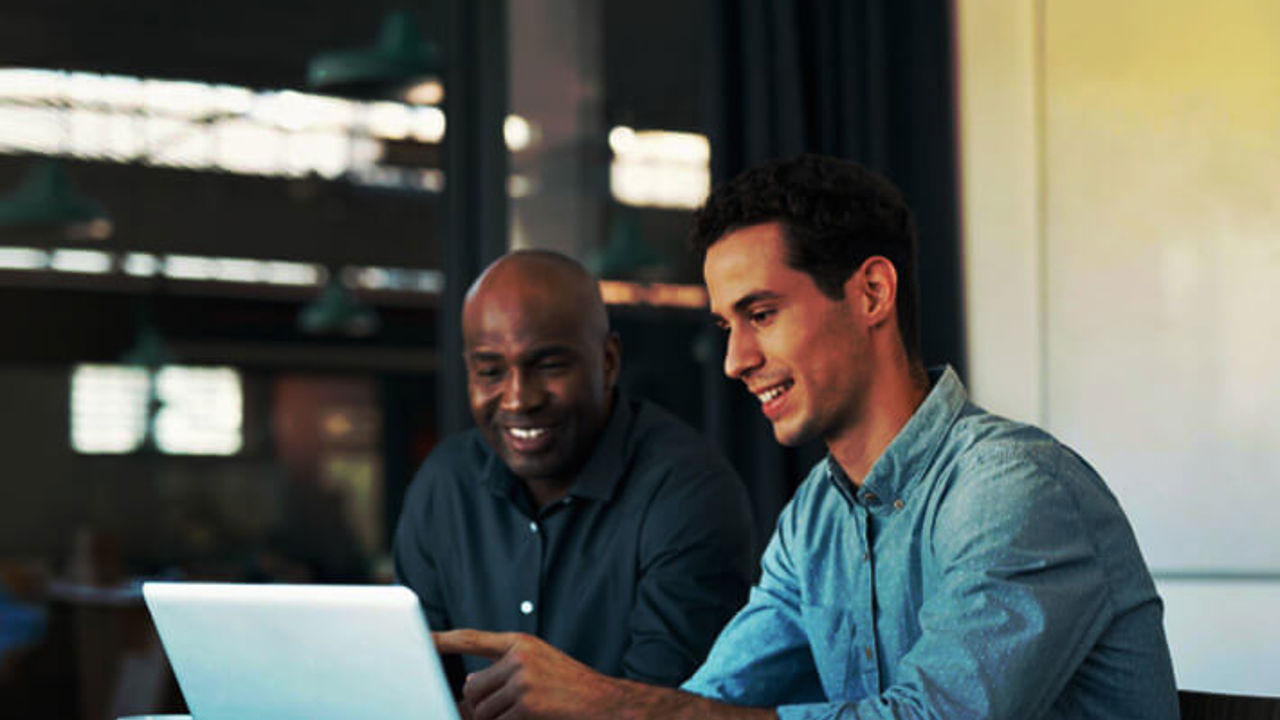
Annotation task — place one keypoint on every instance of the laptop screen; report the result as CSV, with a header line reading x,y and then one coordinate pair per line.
x,y
313,652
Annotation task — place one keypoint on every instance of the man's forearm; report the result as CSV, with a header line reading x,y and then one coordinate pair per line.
x,y
637,701
531,679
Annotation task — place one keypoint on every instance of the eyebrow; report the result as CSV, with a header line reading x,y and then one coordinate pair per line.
x,y
545,352
481,356
752,298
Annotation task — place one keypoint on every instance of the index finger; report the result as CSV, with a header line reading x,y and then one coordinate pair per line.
x,y
487,645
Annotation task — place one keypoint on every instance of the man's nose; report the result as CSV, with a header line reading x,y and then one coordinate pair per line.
x,y
521,392
741,355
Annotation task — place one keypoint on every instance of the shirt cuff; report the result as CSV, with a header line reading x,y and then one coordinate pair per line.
x,y
812,711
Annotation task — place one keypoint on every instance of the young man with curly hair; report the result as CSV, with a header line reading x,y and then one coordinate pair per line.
x,y
941,562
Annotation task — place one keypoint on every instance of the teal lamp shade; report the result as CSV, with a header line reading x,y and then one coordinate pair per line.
x,y
46,199
150,352
627,256
149,349
400,63
337,312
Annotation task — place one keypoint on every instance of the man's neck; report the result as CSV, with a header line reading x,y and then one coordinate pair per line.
x,y
549,490
892,398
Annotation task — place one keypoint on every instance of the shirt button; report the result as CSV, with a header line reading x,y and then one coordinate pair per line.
x,y
898,504
868,652
526,608
533,527
870,498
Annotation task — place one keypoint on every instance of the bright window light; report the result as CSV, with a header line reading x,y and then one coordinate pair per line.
x,y
31,84
428,124
520,185
294,111
659,185
140,264
324,152
622,140
517,132
369,278
428,92
239,270
200,409
391,278
431,180
280,272
31,129
198,126
22,258
243,270
81,261
659,168
250,148
187,100
172,142
231,101
388,120
107,91
108,408
190,267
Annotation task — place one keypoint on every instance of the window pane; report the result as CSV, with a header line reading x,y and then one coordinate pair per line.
x,y
108,408
200,411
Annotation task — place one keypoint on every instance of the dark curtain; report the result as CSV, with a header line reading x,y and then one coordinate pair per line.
x,y
474,224
868,80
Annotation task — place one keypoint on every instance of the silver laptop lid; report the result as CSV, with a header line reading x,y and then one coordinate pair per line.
x,y
310,652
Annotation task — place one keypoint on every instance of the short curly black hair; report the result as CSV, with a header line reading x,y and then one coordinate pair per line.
x,y
835,214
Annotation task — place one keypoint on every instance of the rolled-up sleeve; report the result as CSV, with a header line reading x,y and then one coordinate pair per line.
x,y
1021,598
762,658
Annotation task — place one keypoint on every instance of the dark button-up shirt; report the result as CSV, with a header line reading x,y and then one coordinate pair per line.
x,y
633,572
982,570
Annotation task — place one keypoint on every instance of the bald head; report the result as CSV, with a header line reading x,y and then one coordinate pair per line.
x,y
545,283
541,365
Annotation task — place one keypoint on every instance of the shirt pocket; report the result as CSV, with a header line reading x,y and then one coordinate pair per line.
x,y
831,632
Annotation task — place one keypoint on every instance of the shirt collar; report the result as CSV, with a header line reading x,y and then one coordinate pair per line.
x,y
915,445
599,476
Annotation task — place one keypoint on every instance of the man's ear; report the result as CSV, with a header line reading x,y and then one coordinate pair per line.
x,y
612,360
873,288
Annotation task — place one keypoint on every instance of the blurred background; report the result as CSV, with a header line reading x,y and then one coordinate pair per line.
x,y
234,239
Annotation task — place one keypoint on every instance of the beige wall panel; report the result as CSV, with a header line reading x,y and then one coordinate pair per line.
x,y
1162,242
999,172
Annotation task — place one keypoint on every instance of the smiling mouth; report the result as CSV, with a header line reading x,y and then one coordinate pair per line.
x,y
773,392
528,433
773,398
528,440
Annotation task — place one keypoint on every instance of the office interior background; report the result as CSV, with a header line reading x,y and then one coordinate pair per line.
x,y
230,273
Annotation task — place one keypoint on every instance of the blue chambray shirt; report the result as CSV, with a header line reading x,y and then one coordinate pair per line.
x,y
983,570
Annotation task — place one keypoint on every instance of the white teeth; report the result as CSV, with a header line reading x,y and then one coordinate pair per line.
x,y
527,433
773,392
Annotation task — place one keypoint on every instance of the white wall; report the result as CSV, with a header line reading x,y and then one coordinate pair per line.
x,y
1223,635
1121,172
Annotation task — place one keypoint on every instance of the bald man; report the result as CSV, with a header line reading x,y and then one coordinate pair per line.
x,y
595,521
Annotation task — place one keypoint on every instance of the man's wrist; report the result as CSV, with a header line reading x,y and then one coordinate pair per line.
x,y
638,701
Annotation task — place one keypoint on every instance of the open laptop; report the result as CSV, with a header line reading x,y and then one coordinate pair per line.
x,y
304,652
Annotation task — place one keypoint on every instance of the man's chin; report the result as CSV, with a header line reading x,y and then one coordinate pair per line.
x,y
534,469
791,435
